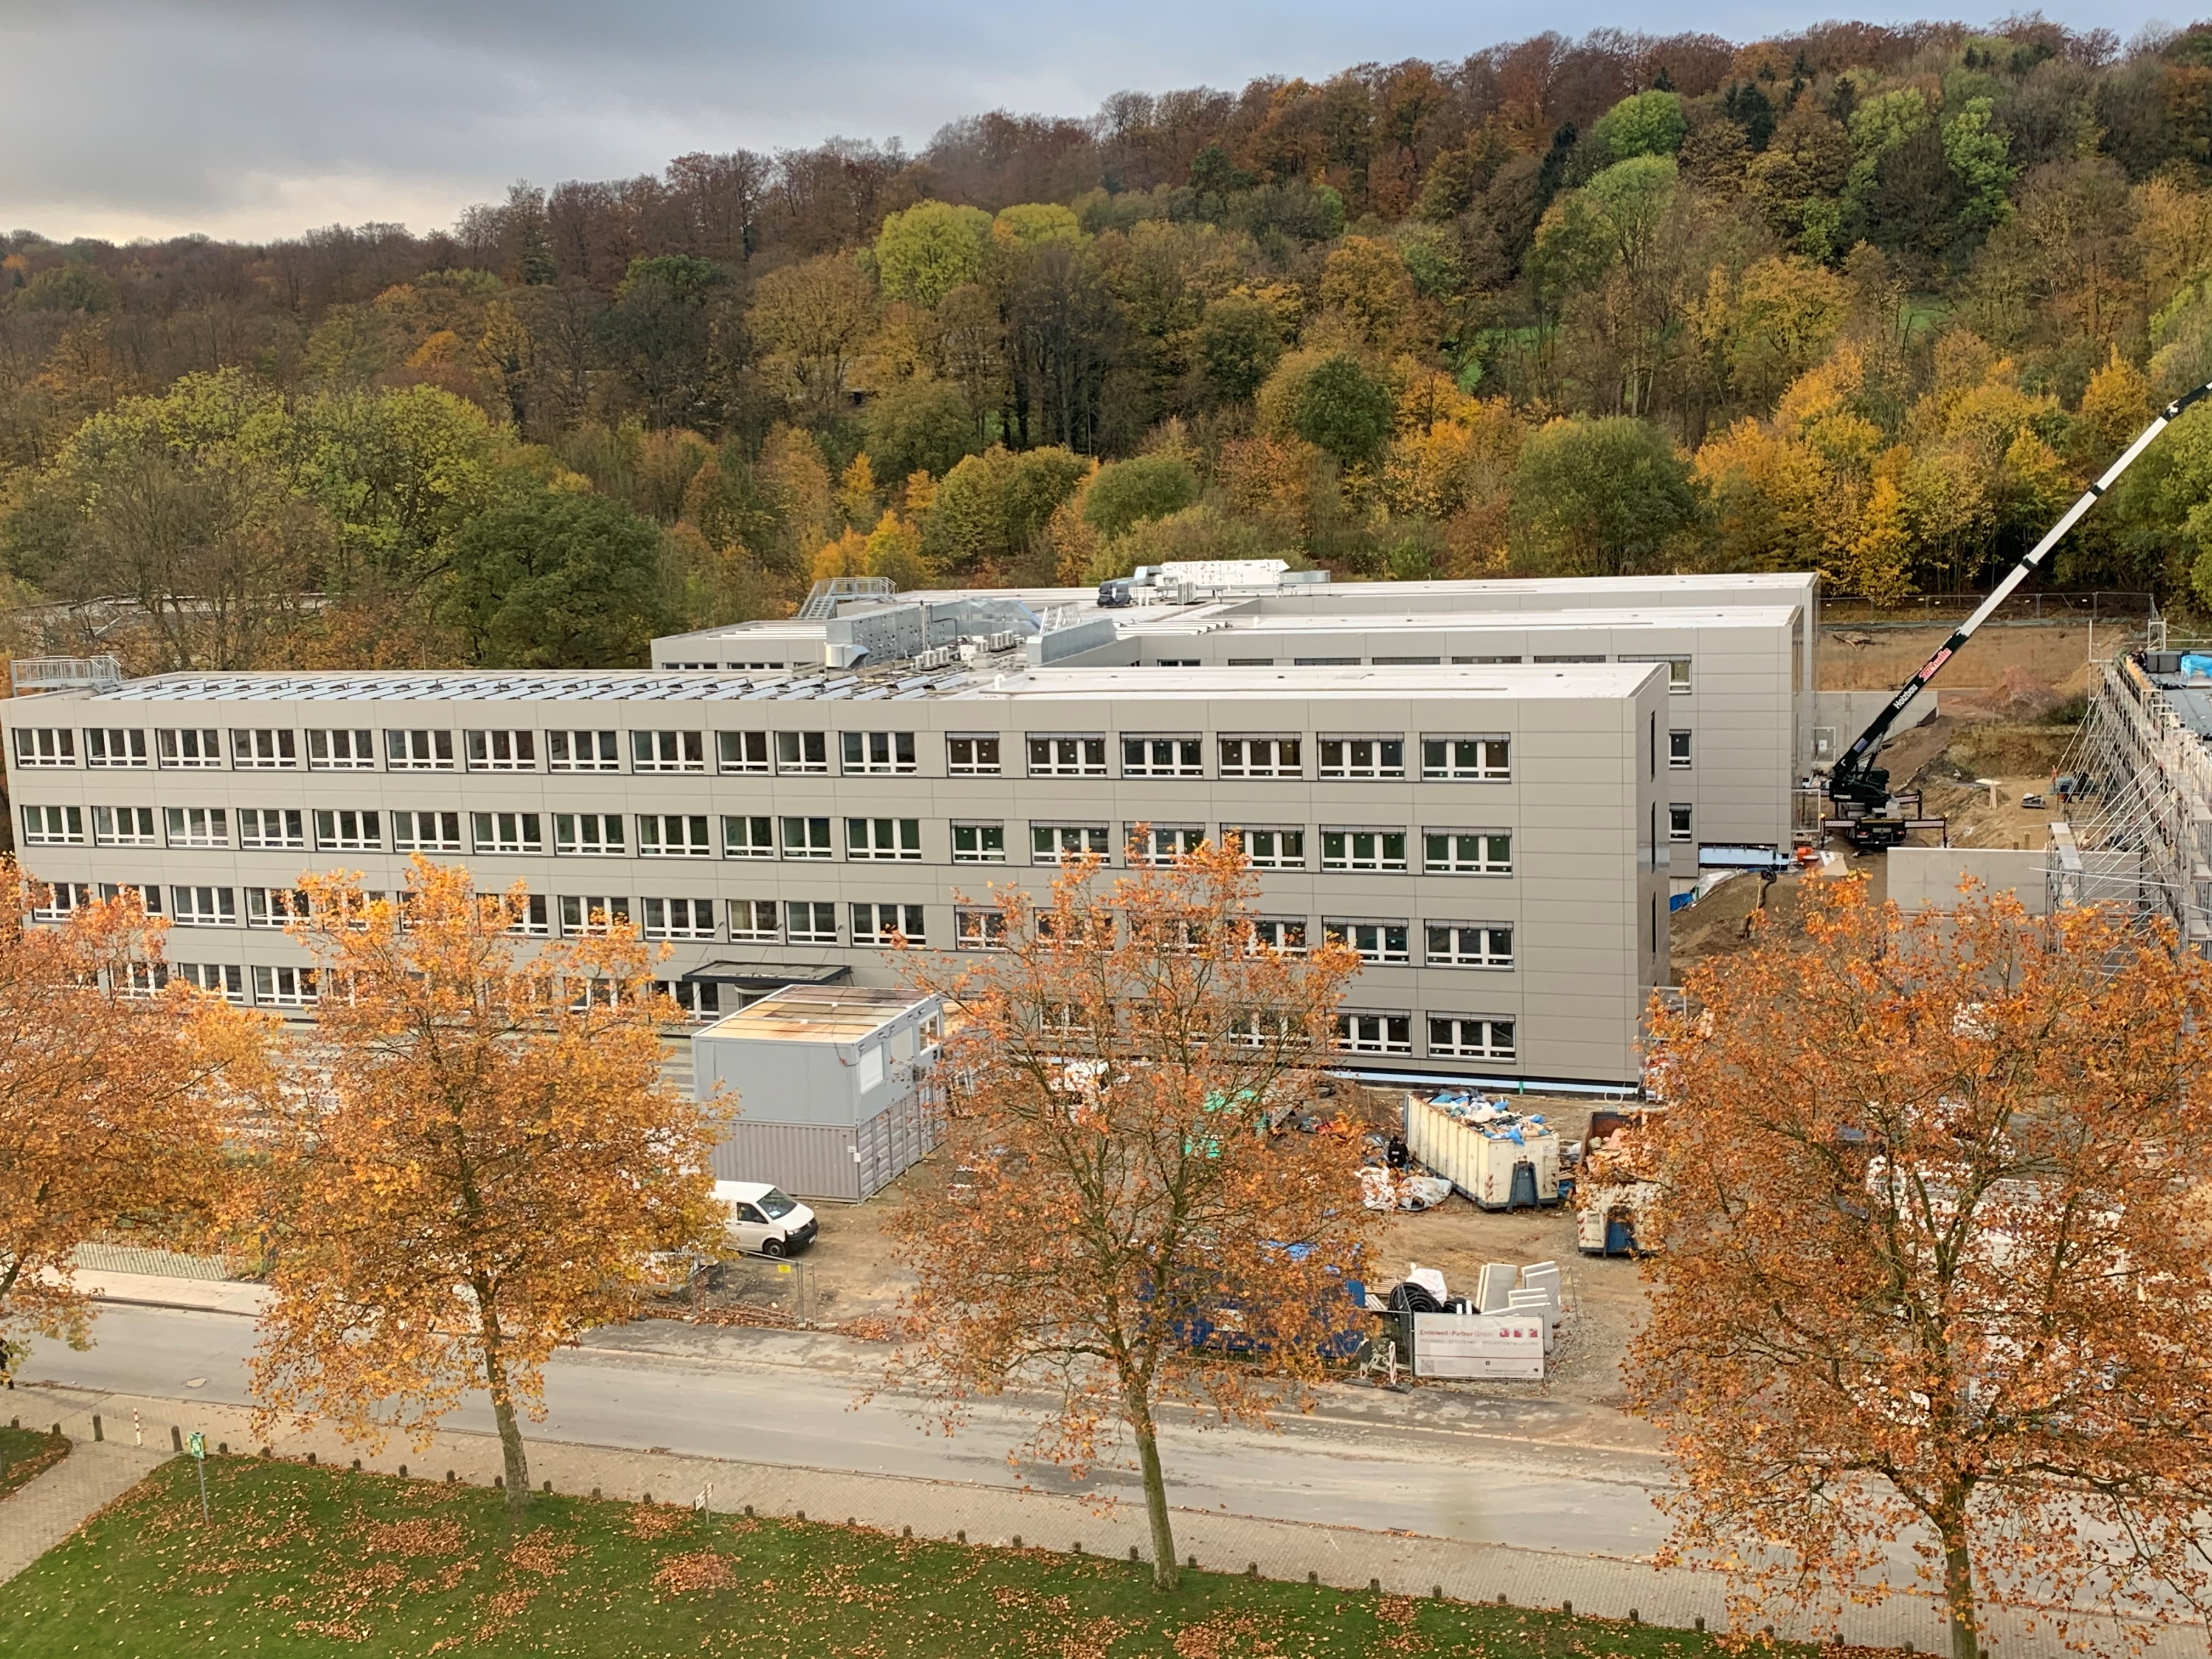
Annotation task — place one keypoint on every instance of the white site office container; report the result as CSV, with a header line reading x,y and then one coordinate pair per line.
x,y
1480,1160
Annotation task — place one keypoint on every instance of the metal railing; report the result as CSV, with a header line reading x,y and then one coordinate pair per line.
x,y
28,676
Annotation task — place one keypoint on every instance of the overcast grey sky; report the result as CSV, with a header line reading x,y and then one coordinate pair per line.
x,y
261,117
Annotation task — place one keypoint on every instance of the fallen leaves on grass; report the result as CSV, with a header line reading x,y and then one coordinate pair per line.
x,y
655,1520
424,1536
542,1554
1222,1636
693,1569
335,1630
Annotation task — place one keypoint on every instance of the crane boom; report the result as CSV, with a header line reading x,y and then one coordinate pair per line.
x,y
1856,778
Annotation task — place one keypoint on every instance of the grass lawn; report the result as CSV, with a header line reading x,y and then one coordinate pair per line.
x,y
27,1453
318,1561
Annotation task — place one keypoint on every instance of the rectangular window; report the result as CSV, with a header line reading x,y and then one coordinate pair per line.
x,y
59,899
1457,1037
502,751
347,830
809,922
1266,849
426,832
806,838
1485,659
1362,757
883,838
741,751
420,751
534,919
673,835
1051,842
803,752
188,746
677,917
116,746
1166,841
1362,849
123,826
279,827
1467,851
871,752
1162,757
754,921
1068,757
979,843
197,826
700,1000
1678,821
53,826
1467,760
1377,942
977,928
204,907
887,924
1678,672
592,913
1571,657
1284,933
582,751
338,750
972,757
594,833
1470,944
284,987
1324,662
1375,1033
223,979
1678,750
264,749
272,907
750,837
1404,662
148,898
45,746
667,751
1262,757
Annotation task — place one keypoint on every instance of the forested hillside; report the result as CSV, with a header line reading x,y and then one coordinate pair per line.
x,y
1876,301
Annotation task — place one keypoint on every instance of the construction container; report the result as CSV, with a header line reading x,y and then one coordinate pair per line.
x,y
1500,1158
1607,1217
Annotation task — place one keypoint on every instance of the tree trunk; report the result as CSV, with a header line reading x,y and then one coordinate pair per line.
x,y
502,1409
1958,1589
1166,1576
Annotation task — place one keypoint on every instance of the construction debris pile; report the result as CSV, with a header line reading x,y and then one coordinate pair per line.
x,y
1615,1188
1499,1157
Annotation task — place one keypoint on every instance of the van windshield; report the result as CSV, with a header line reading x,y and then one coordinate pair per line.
x,y
777,1204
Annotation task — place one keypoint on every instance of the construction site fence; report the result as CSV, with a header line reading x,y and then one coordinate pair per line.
x,y
1928,609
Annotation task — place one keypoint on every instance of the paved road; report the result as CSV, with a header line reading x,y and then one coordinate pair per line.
x,y
1429,1481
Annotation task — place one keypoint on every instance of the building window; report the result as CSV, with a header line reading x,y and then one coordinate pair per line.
x,y
888,924
1324,662
502,751
588,833
1404,662
284,987
742,751
148,898
330,750
979,843
802,751
592,913
753,921
45,746
806,838
1161,842
533,919
871,752
1678,750
677,917
1467,851
1051,842
123,826
1382,942
809,922
53,826
426,832
223,979
1470,944
272,827
673,835
975,928
55,900
699,999
264,749
1362,757
197,826
272,907
1678,821
1076,756
348,830
1262,757
1362,849
1268,848
188,746
668,752
1375,1033
1162,757
973,756
420,751
582,751
1678,672
1485,659
204,907
883,838
748,838
116,746
1284,933
1457,1037
1467,760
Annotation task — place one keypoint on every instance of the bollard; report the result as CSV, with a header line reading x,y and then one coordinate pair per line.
x,y
595,1493
1566,1609
802,1514
548,1486
1375,1586
1312,1577
176,1438
906,1532
1193,1562
55,1431
96,1433
498,1482
852,1521
1133,1551
961,1535
311,1460
1251,1569
449,1477
1501,1598
749,1507
15,1422
1698,1623
1018,1541
1435,1592
1634,1617
357,1466
1078,1546
402,1471
222,1448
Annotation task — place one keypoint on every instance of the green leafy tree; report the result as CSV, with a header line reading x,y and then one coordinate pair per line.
x,y
554,577
1125,493
660,335
1643,124
1240,340
1599,497
399,472
1330,400
919,426
990,507
928,250
1980,153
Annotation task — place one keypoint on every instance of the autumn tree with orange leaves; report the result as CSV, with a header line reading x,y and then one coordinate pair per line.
x,y
1936,1262
479,1169
111,1097
1133,1224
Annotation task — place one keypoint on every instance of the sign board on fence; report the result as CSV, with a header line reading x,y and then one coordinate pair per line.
x,y
1478,1344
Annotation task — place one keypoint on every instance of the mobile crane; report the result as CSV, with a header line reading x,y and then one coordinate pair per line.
x,y
1860,789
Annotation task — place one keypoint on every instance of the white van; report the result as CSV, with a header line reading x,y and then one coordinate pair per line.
x,y
765,1220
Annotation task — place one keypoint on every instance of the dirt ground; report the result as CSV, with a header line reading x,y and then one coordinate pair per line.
x,y
2056,655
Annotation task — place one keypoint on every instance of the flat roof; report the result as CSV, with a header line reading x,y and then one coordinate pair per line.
x,y
818,1013
582,685
1523,682
1746,616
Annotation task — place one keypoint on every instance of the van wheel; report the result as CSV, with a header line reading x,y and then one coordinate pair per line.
x,y
772,1247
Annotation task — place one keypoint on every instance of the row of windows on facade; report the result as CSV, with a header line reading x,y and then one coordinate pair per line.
x,y
1448,757
1383,941
1444,851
